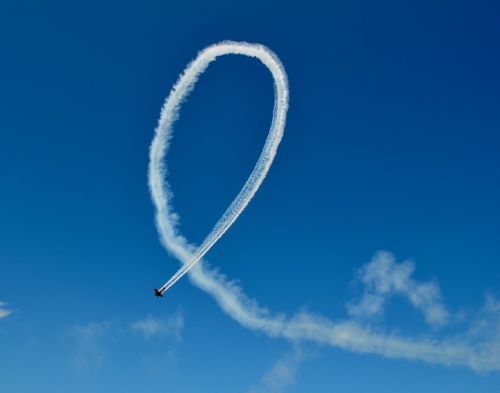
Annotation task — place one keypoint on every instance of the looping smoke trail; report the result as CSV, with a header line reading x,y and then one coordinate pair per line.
x,y
169,115
469,349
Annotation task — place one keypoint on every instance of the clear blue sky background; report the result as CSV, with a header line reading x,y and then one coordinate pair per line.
x,y
392,142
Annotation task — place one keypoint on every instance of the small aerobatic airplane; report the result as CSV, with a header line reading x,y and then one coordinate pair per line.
x,y
158,293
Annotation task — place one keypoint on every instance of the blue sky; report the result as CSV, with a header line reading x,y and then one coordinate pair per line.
x,y
391,144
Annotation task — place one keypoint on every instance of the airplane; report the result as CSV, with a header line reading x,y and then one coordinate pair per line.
x,y
158,293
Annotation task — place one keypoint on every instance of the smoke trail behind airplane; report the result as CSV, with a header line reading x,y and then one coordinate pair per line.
x,y
170,114
475,348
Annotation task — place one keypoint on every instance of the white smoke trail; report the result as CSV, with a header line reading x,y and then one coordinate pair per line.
x,y
169,115
478,351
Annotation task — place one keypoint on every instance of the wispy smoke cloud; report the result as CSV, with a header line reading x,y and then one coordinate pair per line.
x,y
92,342
89,349
383,278
167,327
3,311
477,348
282,374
